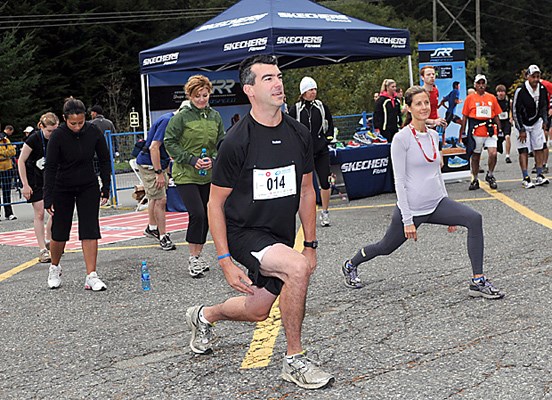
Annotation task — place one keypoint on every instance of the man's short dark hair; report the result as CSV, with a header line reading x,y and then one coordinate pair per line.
x,y
8,128
97,109
455,84
246,76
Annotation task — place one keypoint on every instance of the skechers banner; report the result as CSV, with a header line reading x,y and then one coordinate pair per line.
x,y
325,17
165,59
251,44
233,23
394,42
306,41
366,170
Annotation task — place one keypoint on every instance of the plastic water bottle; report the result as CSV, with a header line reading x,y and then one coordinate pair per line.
x,y
146,282
203,154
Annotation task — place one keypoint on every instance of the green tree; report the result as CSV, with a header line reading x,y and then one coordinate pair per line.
x,y
19,78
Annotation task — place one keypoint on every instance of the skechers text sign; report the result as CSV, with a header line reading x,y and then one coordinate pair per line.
x,y
377,165
442,52
252,44
232,23
326,17
307,41
166,59
398,43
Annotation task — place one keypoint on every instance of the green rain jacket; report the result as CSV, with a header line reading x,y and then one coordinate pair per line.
x,y
190,130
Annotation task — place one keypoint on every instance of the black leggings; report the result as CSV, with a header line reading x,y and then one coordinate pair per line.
x,y
449,213
322,167
195,198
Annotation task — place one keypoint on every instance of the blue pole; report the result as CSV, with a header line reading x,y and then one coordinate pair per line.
x,y
107,134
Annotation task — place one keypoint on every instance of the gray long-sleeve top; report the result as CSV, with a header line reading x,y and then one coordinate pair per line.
x,y
418,182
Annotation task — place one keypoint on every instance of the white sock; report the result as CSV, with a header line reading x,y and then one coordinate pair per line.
x,y
202,318
153,227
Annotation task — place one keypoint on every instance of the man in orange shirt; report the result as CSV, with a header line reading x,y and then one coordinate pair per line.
x,y
481,110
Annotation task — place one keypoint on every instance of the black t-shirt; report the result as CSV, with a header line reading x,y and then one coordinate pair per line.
x,y
262,164
38,143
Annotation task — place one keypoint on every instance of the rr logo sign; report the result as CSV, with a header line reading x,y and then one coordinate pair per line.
x,y
223,86
442,52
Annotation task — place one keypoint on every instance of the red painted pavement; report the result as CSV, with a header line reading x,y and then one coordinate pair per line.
x,y
115,228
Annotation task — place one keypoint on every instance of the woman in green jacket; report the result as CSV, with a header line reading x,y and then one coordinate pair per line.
x,y
191,138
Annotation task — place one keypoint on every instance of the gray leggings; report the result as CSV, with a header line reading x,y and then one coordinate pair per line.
x,y
449,213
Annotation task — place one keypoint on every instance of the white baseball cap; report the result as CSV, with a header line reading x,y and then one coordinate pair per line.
x,y
307,83
480,77
28,129
532,69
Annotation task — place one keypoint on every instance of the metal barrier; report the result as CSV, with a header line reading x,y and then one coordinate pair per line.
x,y
349,124
9,178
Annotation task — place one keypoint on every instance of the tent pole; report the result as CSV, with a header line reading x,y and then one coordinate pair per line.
x,y
410,71
144,109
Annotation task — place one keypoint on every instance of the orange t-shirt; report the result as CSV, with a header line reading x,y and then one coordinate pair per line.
x,y
483,108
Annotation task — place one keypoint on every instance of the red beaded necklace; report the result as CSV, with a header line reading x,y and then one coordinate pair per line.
x,y
421,148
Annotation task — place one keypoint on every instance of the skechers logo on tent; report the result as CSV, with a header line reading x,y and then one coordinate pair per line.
x,y
394,42
327,17
377,165
166,59
307,41
252,44
232,23
442,52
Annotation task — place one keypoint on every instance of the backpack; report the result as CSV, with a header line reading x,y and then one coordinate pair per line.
x,y
318,104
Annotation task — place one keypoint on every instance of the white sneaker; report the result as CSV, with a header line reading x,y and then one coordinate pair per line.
x,y
541,180
195,268
44,256
527,184
325,218
94,283
54,276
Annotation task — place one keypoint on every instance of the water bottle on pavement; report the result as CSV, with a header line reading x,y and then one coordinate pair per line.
x,y
203,154
146,282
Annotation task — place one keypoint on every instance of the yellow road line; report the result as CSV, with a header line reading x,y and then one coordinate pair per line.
x,y
262,345
526,212
394,204
19,268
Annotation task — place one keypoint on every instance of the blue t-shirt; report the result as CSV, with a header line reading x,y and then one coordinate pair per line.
x,y
451,99
157,133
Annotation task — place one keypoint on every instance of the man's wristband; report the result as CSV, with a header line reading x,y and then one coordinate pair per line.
x,y
223,256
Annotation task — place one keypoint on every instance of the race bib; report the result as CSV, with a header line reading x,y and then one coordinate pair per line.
x,y
483,112
503,115
274,183
40,163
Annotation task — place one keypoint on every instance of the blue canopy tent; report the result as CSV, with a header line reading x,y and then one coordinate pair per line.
x,y
299,32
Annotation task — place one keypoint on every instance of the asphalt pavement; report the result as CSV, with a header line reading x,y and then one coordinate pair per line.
x,y
411,333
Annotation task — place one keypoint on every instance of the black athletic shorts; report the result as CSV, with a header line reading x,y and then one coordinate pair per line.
x,y
87,200
241,243
506,127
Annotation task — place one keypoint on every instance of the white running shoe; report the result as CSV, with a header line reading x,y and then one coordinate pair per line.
x,y
325,218
195,267
94,283
54,276
44,256
527,184
541,180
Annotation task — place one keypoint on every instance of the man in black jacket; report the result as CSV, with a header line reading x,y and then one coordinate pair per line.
x,y
530,111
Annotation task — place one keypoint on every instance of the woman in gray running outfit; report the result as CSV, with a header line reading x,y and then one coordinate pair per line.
x,y
422,198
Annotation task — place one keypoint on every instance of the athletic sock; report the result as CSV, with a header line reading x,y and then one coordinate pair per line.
x,y
524,173
202,318
153,227
539,171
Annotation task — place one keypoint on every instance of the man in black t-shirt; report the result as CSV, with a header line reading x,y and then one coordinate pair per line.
x,y
262,178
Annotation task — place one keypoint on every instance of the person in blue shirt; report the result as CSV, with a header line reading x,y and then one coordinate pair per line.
x,y
153,162
453,99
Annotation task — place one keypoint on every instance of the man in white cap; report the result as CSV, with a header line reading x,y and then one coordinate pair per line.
x,y
27,132
316,116
480,112
530,112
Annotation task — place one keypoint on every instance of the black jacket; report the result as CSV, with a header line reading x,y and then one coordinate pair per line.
x,y
311,117
70,161
387,116
525,111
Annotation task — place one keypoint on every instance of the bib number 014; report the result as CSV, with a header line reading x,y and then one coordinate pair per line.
x,y
274,183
